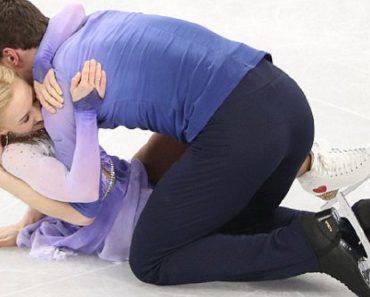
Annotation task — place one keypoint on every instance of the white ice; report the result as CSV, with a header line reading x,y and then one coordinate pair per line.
x,y
323,45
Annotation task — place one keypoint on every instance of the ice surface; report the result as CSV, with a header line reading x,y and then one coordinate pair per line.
x,y
323,45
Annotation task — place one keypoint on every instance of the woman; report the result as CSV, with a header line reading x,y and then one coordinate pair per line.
x,y
123,187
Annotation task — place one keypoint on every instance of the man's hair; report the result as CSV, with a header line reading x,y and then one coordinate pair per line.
x,y
22,25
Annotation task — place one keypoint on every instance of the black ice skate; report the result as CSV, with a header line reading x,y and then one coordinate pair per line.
x,y
336,256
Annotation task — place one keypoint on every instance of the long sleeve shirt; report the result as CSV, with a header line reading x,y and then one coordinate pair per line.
x,y
82,184
164,74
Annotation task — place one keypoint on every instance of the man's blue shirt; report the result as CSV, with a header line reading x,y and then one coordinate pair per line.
x,y
164,74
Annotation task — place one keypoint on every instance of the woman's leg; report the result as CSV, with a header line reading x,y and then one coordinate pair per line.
x,y
256,133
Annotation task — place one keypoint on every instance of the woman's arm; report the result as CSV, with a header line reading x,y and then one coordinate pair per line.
x,y
48,175
42,204
8,234
67,21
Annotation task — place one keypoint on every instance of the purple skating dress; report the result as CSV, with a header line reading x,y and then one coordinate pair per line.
x,y
109,236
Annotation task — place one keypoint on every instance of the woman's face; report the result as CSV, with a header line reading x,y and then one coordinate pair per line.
x,y
23,113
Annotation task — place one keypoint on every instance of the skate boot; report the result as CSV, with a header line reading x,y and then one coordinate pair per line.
x,y
334,168
336,257
362,211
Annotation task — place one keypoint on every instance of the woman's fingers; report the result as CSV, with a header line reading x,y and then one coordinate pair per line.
x,y
92,76
50,100
92,71
53,92
47,95
98,74
74,85
8,241
8,236
85,72
47,106
102,84
51,79
75,81
38,87
52,96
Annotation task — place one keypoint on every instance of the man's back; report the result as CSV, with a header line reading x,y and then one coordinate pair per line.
x,y
164,74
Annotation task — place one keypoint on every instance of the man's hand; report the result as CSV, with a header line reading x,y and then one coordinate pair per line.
x,y
8,235
49,92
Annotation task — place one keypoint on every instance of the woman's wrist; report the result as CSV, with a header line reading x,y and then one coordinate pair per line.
x,y
89,103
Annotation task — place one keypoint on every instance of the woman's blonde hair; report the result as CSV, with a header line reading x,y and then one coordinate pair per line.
x,y
7,76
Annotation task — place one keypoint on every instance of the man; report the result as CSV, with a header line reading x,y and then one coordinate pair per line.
x,y
170,77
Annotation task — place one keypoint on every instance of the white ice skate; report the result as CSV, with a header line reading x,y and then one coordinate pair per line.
x,y
333,169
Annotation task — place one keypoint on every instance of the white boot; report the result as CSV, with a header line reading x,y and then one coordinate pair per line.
x,y
334,168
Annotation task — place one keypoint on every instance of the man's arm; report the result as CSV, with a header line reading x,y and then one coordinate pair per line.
x,y
158,155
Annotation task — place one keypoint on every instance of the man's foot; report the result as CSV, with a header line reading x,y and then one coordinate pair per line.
x,y
362,211
336,257
334,168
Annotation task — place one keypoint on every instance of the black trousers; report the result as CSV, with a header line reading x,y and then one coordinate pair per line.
x,y
215,215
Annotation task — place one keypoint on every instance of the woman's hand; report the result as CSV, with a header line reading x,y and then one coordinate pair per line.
x,y
92,77
49,92
8,235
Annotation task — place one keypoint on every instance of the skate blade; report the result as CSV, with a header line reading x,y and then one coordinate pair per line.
x,y
344,210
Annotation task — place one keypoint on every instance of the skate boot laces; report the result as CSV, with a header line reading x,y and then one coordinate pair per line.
x,y
338,162
335,168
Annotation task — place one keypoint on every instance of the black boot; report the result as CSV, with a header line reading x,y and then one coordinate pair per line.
x,y
350,236
336,257
362,212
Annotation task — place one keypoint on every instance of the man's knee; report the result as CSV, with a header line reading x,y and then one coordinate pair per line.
x,y
145,260
143,267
